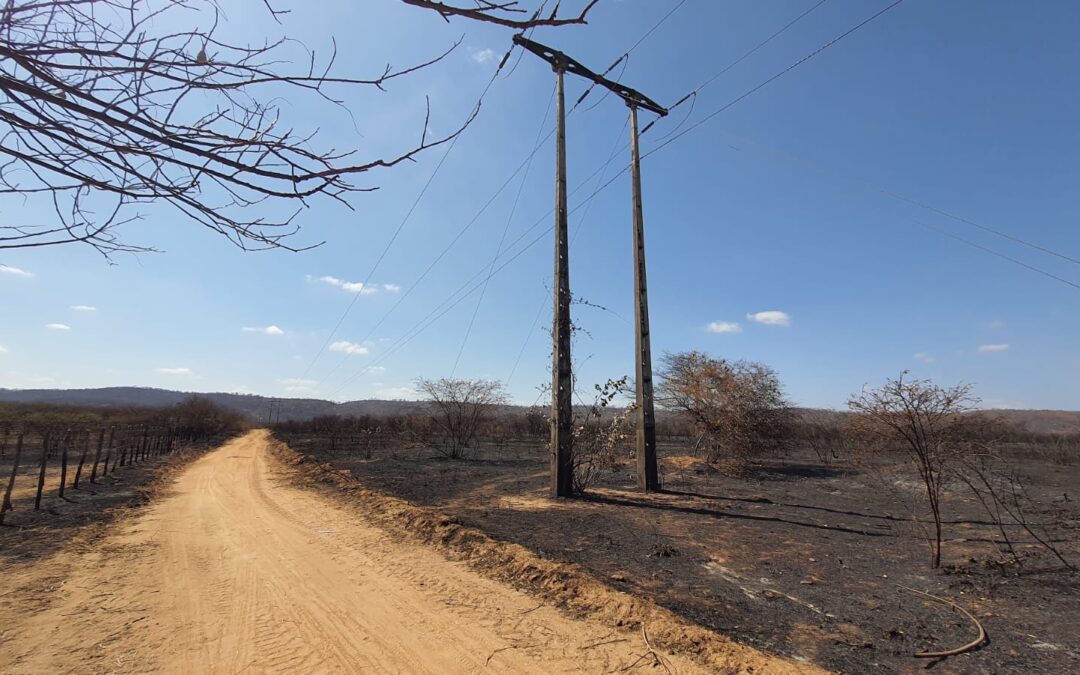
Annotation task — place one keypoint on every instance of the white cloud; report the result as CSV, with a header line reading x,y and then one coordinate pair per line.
x,y
265,330
15,271
396,393
3,349
484,55
174,371
924,357
297,384
723,327
355,286
58,326
988,349
84,308
348,347
376,369
994,325
772,317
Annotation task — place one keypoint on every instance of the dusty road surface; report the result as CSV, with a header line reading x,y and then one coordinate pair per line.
x,y
235,571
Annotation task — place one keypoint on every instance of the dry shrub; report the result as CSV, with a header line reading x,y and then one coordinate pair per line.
x,y
598,438
459,411
737,408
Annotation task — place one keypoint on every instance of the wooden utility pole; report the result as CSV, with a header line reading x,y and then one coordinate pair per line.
x,y
647,478
562,379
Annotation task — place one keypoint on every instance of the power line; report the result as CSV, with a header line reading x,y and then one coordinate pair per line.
x,y
626,56
577,231
733,102
599,171
986,228
506,229
528,336
378,261
693,93
652,30
446,249
877,189
439,311
523,164
995,253
775,77
625,60
401,225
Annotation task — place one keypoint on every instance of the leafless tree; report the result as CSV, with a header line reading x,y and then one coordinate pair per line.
x,y
460,409
110,104
923,421
998,486
737,409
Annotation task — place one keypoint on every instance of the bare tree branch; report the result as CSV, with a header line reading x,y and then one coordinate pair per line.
x,y
503,13
101,109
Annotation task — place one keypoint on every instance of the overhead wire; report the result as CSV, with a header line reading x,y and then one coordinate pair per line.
x,y
579,225
712,115
779,74
626,55
505,230
464,291
998,254
1043,249
408,214
442,254
985,228
525,162
869,187
712,78
441,311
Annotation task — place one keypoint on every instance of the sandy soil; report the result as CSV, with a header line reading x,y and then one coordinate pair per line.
x,y
234,570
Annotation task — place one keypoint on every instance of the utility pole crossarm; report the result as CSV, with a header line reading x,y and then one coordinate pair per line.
x,y
560,61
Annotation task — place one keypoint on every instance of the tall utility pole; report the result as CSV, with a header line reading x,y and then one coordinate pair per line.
x,y
562,380
561,376
647,478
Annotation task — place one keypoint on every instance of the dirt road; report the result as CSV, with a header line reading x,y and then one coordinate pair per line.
x,y
235,571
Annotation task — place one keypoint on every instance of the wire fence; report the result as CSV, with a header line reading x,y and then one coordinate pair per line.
x,y
40,463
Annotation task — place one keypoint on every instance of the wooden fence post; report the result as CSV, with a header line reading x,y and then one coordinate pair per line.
x,y
41,471
64,460
143,443
97,455
82,458
5,506
125,445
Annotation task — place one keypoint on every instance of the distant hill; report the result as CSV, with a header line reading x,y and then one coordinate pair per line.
x,y
1038,421
256,408
1043,421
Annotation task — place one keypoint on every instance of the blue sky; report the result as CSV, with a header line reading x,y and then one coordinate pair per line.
x,y
784,204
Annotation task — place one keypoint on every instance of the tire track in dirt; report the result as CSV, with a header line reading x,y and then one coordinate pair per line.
x,y
236,571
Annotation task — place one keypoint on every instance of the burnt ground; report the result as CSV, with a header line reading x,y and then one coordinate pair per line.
x,y
796,557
